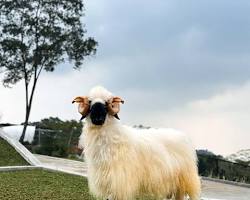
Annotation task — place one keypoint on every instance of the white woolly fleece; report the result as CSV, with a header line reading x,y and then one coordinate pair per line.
x,y
124,162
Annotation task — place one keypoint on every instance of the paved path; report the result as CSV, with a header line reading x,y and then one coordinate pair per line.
x,y
62,164
210,190
214,190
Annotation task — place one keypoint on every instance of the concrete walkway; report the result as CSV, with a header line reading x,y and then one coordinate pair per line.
x,y
215,190
64,165
211,190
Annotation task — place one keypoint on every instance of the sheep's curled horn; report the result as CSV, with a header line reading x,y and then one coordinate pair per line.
x,y
113,106
84,105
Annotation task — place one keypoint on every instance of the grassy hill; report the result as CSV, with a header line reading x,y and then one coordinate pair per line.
x,y
40,184
9,156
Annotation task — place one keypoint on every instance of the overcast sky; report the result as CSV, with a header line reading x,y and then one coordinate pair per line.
x,y
178,64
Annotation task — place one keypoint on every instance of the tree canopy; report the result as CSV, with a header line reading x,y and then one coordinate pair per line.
x,y
40,34
37,35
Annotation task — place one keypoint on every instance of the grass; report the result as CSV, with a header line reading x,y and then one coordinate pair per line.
x,y
40,184
9,156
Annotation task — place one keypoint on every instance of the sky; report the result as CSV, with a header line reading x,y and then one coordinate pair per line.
x,y
177,64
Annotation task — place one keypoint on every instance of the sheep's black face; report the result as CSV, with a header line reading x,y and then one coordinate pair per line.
x,y
98,113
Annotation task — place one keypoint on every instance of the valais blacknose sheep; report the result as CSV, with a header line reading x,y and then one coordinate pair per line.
x,y
125,163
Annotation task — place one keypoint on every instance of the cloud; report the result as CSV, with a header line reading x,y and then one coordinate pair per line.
x,y
219,123
195,48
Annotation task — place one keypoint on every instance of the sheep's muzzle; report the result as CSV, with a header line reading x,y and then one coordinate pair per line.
x,y
98,113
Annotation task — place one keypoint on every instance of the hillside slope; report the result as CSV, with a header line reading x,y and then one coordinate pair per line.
x,y
9,156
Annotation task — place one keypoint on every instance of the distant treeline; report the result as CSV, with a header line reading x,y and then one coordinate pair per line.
x,y
55,137
217,167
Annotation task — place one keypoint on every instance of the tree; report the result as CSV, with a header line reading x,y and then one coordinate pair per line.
x,y
37,35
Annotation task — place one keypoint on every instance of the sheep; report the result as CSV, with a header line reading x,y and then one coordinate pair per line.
x,y
125,163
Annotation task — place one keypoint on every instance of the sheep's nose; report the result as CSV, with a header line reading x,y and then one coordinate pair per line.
x,y
98,121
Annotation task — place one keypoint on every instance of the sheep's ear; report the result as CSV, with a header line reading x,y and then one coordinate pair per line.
x,y
84,105
114,106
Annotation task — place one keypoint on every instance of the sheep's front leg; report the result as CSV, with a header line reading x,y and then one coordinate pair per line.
x,y
179,196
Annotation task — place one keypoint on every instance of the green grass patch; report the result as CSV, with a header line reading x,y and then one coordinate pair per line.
x,y
40,184
9,156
